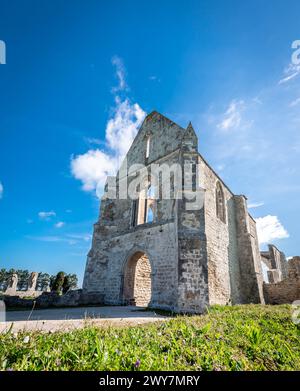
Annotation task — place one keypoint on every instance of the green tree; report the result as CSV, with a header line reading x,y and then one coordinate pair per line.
x,y
43,280
3,279
70,282
66,284
58,282
73,281
23,276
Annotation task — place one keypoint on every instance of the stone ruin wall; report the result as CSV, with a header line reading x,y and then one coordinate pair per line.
x,y
221,249
286,290
234,273
12,287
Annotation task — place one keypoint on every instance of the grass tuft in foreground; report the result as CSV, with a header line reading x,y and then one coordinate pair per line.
x,y
248,337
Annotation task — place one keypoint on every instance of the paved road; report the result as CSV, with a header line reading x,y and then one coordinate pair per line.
x,y
71,318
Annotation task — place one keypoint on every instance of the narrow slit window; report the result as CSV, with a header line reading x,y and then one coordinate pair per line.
x,y
134,213
220,203
148,148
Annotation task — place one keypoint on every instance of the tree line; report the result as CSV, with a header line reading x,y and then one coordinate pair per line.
x,y
61,282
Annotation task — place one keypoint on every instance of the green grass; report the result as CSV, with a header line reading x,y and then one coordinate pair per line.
x,y
249,337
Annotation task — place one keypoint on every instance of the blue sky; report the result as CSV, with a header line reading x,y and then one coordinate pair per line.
x,y
78,79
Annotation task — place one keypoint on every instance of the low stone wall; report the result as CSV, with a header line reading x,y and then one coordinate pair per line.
x,y
50,299
285,291
24,294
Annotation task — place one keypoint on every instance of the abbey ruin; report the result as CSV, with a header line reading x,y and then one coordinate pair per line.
x,y
184,250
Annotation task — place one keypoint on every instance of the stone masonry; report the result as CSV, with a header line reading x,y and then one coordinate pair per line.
x,y
162,253
287,289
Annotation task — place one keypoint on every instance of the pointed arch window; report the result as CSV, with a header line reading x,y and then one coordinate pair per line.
x,y
220,203
143,208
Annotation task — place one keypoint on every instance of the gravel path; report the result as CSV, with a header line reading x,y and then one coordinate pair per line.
x,y
66,319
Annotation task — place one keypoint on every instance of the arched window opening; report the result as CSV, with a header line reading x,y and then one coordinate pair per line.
x,y
150,203
149,214
151,193
220,203
143,209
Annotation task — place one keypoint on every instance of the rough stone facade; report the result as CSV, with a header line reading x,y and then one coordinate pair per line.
x,y
275,262
286,290
12,286
179,258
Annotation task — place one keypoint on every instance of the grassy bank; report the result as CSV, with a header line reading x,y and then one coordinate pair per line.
x,y
250,337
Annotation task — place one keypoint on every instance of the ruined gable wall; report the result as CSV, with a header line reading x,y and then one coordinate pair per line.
x,y
114,236
165,137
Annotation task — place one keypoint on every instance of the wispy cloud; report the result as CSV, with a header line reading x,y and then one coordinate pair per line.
x,y
269,228
46,215
154,78
92,167
93,141
48,238
120,74
253,205
257,100
1,190
71,239
60,224
295,102
86,237
291,72
232,116
220,167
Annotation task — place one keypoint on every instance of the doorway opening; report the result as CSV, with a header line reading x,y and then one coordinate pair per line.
x,y
137,285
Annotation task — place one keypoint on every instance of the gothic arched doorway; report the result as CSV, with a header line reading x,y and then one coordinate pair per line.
x,y
137,284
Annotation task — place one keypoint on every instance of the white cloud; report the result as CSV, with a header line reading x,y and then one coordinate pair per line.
x,y
46,238
220,167
295,102
122,127
92,168
86,237
292,71
1,190
69,238
233,115
257,100
91,140
120,74
255,204
60,224
95,165
269,228
46,215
